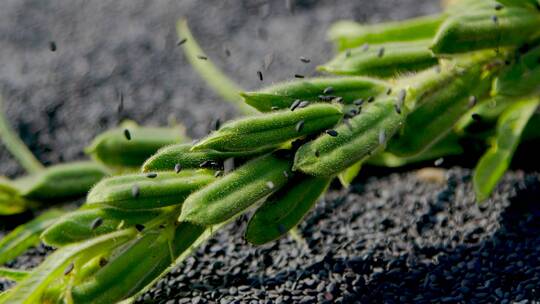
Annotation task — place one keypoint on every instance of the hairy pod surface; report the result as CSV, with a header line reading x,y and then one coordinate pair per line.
x,y
136,265
328,155
520,78
181,156
285,209
60,182
139,191
115,150
383,60
88,223
349,34
283,95
272,129
486,28
236,191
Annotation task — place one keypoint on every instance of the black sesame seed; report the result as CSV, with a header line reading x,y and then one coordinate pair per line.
x,y
326,97
499,7
201,57
338,99
328,90
52,46
332,133
371,99
304,59
389,91
295,104
127,134
177,168
317,154
358,102
299,126
397,107
216,124
476,117
380,53
135,191
298,76
96,223
181,41
102,262
139,227
69,268
151,174
260,75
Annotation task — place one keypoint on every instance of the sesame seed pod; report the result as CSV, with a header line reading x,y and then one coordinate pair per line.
x,y
531,4
272,129
31,289
520,78
136,264
283,95
25,236
285,209
477,29
328,155
496,160
77,226
168,157
166,189
61,182
113,149
349,34
440,111
398,58
235,192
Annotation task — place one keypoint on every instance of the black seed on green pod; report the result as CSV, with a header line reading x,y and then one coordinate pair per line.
x,y
476,117
102,262
201,57
498,7
139,227
358,102
304,59
295,104
96,223
303,104
69,268
298,76
151,174
380,53
328,90
299,126
260,74
181,41
127,134
332,133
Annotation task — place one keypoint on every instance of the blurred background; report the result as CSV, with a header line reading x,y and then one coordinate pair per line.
x,y
64,63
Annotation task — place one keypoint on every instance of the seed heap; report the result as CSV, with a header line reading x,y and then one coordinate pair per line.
x,y
309,131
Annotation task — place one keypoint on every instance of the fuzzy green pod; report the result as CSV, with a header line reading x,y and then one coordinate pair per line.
x,y
181,157
486,28
520,78
383,60
283,95
147,191
272,129
351,142
87,223
236,191
349,34
130,145
136,265
61,182
438,113
285,209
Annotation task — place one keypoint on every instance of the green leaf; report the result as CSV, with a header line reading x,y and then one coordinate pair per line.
x,y
13,274
496,160
349,174
26,235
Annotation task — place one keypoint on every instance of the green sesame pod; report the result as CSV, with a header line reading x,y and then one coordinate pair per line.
x,y
496,160
236,191
136,265
486,28
140,191
440,112
285,209
87,223
360,137
283,95
114,149
349,34
383,60
531,4
520,78
61,182
31,289
181,156
272,129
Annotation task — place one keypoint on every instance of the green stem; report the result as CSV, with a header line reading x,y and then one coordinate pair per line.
x,y
16,146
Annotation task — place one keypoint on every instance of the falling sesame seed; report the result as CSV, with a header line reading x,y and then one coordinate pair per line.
x,y
295,104
304,59
380,53
476,117
52,46
365,47
218,173
499,7
260,75
96,223
102,262
298,76
389,91
161,226
371,99
332,133
328,90
151,174
177,168
270,185
181,41
495,19
135,191
69,268
127,134
382,137
472,101
438,161
201,57
139,227
358,102
299,126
